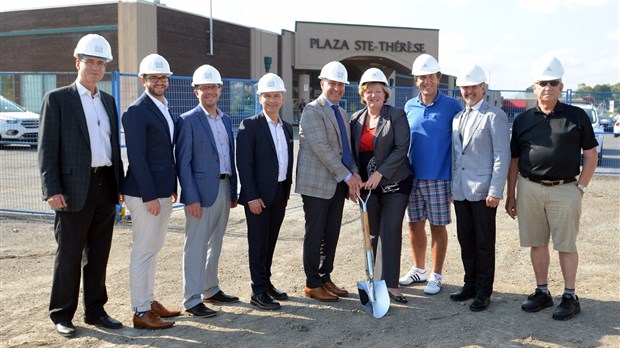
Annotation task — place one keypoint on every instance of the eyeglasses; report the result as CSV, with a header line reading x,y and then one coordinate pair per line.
x,y
94,63
377,92
204,88
553,83
155,79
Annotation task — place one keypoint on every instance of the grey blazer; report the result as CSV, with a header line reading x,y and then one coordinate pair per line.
x,y
319,160
480,162
391,142
64,146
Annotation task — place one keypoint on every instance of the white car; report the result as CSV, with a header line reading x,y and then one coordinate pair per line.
x,y
617,127
17,125
598,128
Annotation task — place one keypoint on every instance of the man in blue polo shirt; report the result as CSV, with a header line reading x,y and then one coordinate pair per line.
x,y
430,117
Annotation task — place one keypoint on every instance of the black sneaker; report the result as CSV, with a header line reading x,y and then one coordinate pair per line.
x,y
568,308
537,301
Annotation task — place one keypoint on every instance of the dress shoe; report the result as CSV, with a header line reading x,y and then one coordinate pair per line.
x,y
537,301
397,298
162,312
568,308
463,295
320,294
104,321
200,310
263,301
277,294
151,321
221,297
480,303
65,328
331,287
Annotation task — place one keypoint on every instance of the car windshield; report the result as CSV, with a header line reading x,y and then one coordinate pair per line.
x,y
590,111
590,115
9,106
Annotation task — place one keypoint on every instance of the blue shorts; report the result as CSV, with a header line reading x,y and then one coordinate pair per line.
x,y
430,200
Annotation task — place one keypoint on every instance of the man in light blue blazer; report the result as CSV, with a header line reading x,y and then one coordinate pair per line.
x,y
480,162
207,175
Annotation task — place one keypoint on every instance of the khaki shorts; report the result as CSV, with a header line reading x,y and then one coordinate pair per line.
x,y
548,211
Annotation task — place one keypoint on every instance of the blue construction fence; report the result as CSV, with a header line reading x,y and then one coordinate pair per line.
x,y
20,189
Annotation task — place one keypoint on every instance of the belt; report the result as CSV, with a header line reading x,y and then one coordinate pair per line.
x,y
550,182
96,170
224,176
281,182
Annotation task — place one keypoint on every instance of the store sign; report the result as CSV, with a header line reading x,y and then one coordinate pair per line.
x,y
367,45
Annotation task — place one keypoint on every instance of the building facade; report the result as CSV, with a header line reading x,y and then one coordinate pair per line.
x,y
43,40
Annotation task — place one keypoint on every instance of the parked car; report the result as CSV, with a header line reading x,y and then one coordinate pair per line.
x,y
17,125
607,123
617,127
598,128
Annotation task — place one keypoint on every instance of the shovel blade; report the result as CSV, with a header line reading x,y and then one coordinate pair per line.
x,y
374,297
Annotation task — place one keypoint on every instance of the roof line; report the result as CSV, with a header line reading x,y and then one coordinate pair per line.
x,y
53,31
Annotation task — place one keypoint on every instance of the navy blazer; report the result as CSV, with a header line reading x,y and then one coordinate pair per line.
x,y
198,162
64,146
258,162
151,173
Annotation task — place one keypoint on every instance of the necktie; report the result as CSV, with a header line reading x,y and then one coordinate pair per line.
x,y
347,158
464,118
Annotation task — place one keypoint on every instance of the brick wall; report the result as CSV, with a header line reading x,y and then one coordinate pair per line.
x,y
41,53
183,39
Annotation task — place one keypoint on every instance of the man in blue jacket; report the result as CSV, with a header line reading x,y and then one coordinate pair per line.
x,y
206,167
150,188
265,161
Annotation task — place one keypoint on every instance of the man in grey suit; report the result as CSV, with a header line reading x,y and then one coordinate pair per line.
x,y
208,177
326,174
480,162
81,171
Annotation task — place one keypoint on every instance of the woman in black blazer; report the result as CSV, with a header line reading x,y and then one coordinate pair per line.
x,y
380,141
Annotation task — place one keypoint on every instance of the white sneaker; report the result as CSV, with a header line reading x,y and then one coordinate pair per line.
x,y
414,275
433,287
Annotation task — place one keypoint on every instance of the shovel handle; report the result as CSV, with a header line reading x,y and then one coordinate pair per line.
x,y
367,243
366,225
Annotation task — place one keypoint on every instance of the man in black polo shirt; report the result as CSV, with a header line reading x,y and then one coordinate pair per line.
x,y
546,144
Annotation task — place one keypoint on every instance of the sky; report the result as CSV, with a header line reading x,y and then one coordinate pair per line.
x,y
504,37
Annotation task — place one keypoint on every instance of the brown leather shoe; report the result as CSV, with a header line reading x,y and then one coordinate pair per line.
x,y
331,287
150,321
320,294
159,309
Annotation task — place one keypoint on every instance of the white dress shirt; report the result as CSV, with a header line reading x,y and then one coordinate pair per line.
x,y
279,140
163,107
98,127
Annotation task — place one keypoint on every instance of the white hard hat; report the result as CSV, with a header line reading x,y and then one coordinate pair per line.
x,y
154,64
334,71
425,64
470,75
548,68
95,46
206,74
270,83
373,75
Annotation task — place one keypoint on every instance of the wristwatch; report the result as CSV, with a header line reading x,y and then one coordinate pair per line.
x,y
582,187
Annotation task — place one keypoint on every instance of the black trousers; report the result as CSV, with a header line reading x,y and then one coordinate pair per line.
x,y
263,231
385,218
475,227
323,219
84,239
